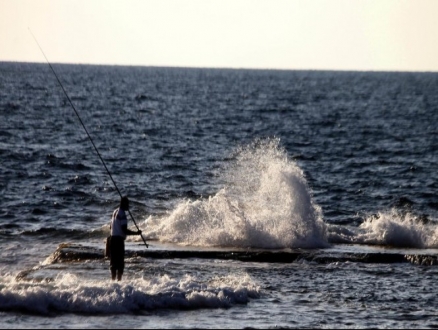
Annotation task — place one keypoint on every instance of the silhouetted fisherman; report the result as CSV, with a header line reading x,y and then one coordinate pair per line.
x,y
119,231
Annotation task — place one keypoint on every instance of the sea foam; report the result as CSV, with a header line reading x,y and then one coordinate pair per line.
x,y
401,229
393,227
265,202
68,293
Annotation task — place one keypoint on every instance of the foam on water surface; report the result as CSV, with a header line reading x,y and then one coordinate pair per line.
x,y
392,228
70,293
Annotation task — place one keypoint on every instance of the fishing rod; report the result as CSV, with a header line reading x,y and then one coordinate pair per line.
x,y
86,131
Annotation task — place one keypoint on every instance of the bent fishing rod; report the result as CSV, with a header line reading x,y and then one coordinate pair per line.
x,y
86,131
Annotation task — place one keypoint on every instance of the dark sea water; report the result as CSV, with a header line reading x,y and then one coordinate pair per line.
x,y
340,163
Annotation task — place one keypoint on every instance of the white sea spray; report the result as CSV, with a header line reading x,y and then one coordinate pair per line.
x,y
266,202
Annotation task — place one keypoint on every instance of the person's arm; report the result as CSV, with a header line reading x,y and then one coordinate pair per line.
x,y
130,232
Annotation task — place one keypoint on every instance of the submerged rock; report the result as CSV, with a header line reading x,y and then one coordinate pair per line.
x,y
77,253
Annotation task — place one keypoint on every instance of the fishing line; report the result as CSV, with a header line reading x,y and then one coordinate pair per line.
x,y
86,131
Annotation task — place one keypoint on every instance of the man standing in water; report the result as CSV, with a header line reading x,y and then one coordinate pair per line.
x,y
119,231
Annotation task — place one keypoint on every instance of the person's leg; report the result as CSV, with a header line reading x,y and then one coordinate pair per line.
x,y
121,268
122,262
117,256
113,268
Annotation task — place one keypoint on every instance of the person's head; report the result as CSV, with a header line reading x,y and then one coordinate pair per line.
x,y
124,203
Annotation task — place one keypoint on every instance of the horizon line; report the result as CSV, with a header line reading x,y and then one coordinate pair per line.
x,y
223,68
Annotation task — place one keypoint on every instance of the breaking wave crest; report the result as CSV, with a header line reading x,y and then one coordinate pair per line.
x,y
389,228
264,203
69,294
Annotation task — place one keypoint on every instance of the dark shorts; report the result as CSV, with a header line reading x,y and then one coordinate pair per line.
x,y
117,253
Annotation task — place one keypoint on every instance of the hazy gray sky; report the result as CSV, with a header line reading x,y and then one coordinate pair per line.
x,y
274,34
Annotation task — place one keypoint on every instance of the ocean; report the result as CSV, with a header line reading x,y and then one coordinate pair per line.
x,y
266,198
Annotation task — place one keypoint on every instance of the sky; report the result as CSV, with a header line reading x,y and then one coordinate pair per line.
x,y
363,35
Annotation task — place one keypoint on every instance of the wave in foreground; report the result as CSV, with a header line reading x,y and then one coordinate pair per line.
x,y
69,294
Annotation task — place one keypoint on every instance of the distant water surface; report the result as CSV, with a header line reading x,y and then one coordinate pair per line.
x,y
217,158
